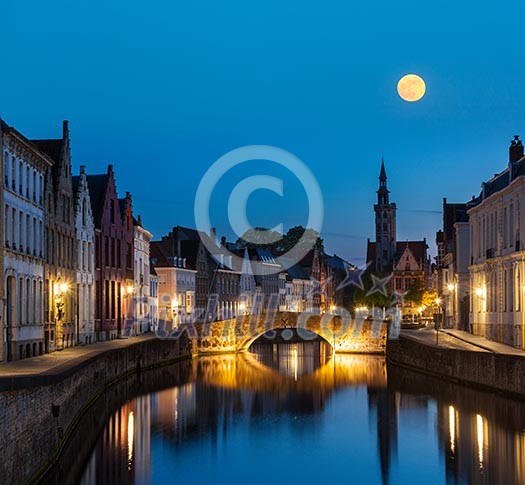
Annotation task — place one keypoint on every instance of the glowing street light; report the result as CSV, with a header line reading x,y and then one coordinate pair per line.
x,y
481,292
438,304
59,292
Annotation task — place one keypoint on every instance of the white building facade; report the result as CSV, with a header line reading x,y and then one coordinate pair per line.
x,y
142,311
24,168
85,261
497,250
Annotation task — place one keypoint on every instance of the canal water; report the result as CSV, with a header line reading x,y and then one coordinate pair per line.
x,y
293,413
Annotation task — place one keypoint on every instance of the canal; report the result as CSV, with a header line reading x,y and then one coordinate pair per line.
x,y
292,413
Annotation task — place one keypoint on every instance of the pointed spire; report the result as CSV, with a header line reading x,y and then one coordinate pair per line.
x,y
382,174
382,193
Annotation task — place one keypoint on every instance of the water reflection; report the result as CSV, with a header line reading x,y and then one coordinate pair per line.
x,y
292,359
289,414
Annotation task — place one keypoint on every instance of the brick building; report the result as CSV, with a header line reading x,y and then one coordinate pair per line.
x,y
113,256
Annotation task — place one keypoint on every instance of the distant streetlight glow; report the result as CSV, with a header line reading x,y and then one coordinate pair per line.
x,y
452,427
481,292
480,431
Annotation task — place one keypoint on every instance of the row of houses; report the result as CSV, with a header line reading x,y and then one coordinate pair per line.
x,y
481,256
237,280
74,260
78,267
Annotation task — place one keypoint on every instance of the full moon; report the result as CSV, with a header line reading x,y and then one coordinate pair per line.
x,y
411,88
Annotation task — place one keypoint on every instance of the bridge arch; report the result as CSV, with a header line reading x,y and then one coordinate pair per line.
x,y
343,335
308,324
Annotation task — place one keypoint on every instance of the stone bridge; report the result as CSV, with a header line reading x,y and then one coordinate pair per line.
x,y
344,334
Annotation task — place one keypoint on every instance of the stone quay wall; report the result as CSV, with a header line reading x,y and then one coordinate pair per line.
x,y
485,370
36,421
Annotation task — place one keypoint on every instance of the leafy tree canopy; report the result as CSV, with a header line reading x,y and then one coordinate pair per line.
x,y
363,297
254,238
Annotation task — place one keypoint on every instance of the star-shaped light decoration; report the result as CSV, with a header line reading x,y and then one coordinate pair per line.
x,y
318,287
354,276
399,297
379,285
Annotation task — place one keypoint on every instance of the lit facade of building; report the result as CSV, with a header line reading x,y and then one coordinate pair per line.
x,y
60,247
24,168
406,261
85,260
452,263
497,250
177,281
141,272
113,257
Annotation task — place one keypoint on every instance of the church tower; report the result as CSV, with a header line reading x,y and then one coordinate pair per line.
x,y
385,247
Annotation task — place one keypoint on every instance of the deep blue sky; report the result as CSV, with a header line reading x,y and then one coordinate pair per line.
x,y
163,89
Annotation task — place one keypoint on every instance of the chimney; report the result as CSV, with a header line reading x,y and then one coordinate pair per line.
x,y
82,169
65,129
516,149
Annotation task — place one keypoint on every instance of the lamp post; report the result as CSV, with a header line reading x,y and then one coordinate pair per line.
x,y
481,293
60,290
451,287
438,303
127,293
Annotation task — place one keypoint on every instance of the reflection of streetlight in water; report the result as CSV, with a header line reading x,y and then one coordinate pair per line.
x,y
295,361
131,432
452,427
480,431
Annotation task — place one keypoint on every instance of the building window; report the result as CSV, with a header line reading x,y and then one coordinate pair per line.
x,y
20,178
106,299
106,250
129,253
112,211
7,225
6,165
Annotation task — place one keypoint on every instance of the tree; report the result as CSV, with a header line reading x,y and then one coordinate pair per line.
x,y
429,298
363,297
272,240
416,292
294,235
256,239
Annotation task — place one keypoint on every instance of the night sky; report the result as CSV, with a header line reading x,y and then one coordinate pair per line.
x,y
163,89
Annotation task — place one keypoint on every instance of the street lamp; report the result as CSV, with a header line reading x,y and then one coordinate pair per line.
x,y
438,303
451,287
60,290
127,292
